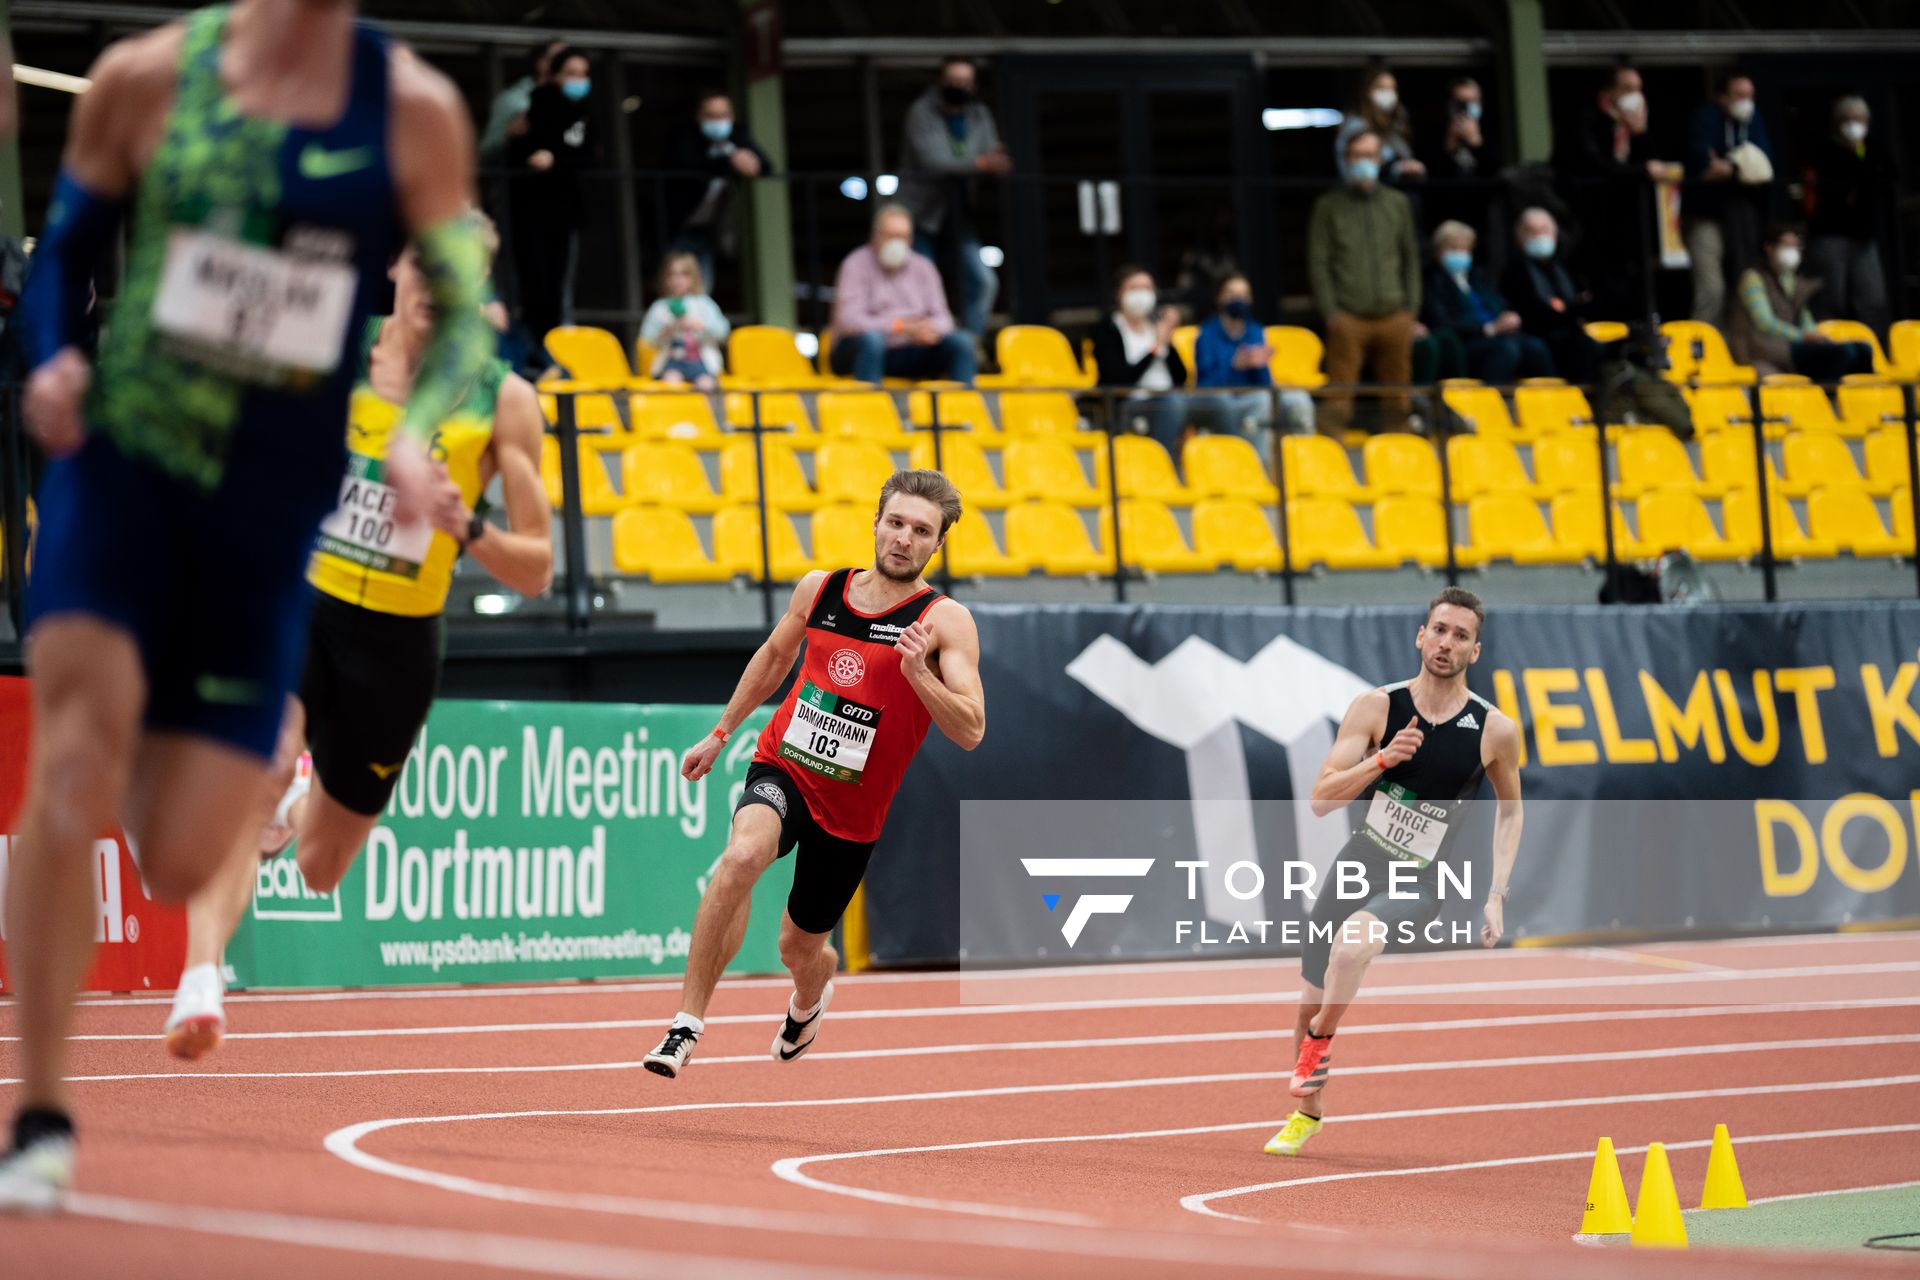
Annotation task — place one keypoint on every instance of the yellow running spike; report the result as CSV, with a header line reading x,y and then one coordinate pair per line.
x,y
1657,1223
1607,1213
1724,1189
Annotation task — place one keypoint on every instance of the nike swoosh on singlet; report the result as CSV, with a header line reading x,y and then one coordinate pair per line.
x,y
385,771
317,164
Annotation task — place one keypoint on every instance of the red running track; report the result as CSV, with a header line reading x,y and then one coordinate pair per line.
x,y
1089,1122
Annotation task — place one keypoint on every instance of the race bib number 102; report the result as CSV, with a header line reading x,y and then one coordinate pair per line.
x,y
1399,823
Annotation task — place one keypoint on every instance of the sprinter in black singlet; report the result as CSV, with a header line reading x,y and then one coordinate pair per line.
x,y
1413,755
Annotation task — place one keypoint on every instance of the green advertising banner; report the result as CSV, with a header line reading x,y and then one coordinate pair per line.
x,y
525,841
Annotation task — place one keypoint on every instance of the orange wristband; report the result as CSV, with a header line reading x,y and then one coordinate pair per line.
x,y
1380,760
721,734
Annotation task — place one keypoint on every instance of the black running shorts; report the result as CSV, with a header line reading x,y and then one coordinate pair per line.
x,y
829,867
1416,907
370,679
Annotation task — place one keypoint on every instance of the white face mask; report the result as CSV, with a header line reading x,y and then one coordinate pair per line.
x,y
1854,131
1631,104
1787,260
1138,303
893,254
1385,99
1741,110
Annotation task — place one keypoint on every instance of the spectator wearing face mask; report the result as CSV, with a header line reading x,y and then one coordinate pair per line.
x,y
1464,147
1773,328
950,141
716,145
1233,369
890,316
1730,162
1381,113
549,205
1541,289
1851,184
1460,299
1135,349
1364,264
1611,152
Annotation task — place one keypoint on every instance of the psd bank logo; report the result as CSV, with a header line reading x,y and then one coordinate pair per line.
x,y
1087,905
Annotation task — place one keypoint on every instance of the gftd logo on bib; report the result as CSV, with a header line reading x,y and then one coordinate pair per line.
x,y
1088,905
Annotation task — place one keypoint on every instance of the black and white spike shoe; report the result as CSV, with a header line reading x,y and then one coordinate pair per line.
x,y
670,1059
796,1036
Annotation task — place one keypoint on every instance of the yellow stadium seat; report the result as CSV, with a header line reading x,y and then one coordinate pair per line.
x,y
675,415
1318,465
1565,463
1819,460
1509,526
1790,401
1401,462
590,355
782,410
1415,529
1145,471
1721,409
1740,508
972,552
1902,506
1297,354
1869,403
1483,409
1034,355
1576,526
1854,331
1048,470
1327,531
592,410
1726,462
965,463
958,408
1546,409
1038,413
1605,331
1235,532
1650,458
787,487
1227,467
663,545
843,536
852,471
1849,519
1903,349
550,471
644,354
1676,520
1486,464
1150,539
668,474
1697,353
736,544
868,414
1887,460
600,460
1183,337
767,354
1052,536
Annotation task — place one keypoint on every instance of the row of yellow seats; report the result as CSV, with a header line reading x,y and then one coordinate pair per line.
x,y
1652,459
1697,352
1548,406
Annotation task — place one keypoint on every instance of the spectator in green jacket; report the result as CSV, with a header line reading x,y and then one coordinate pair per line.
x,y
1364,264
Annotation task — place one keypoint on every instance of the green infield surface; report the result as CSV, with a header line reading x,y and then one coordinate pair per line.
x,y
1887,1216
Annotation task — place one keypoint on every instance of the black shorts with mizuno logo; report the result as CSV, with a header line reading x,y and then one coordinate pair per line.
x,y
829,868
370,680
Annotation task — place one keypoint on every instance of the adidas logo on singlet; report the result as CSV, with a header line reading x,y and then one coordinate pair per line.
x,y
1467,721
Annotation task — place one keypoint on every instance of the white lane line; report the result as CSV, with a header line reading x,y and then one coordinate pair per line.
x,y
1379,1028
532,1254
1201,1203
1813,1195
344,1143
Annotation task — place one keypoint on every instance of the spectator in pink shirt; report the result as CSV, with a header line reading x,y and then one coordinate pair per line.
x,y
890,316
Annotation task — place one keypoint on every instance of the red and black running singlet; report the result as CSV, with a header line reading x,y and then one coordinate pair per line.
x,y
851,723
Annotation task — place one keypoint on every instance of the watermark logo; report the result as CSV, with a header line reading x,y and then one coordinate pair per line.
x,y
846,667
1089,905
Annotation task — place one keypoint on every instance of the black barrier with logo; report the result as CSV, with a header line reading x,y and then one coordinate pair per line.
x,y
1687,769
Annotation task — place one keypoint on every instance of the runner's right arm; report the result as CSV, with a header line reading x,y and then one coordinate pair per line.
x,y
520,555
765,672
1352,766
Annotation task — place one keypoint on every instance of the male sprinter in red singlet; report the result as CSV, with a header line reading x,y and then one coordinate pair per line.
x,y
886,656
1415,752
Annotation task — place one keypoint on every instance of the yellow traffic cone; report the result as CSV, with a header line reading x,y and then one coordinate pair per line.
x,y
1724,1189
1607,1213
1657,1223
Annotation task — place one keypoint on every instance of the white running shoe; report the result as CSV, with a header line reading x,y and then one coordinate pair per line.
x,y
198,1020
278,833
35,1175
670,1059
797,1036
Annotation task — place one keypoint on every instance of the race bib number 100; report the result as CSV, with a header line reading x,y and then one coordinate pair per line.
x,y
1400,824
258,313
829,734
362,529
